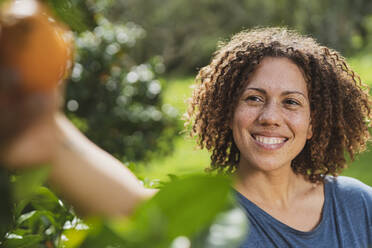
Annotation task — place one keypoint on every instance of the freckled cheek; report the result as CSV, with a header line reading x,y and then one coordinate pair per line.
x,y
298,121
243,118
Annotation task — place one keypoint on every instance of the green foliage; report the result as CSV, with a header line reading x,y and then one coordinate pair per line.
x,y
198,210
77,14
115,101
167,218
74,13
195,209
37,215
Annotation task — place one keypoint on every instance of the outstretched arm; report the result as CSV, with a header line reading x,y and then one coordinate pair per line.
x,y
92,180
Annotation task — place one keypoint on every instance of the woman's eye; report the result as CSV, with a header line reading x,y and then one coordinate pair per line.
x,y
254,99
292,102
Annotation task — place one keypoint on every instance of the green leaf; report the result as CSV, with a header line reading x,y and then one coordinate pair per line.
x,y
74,238
192,203
19,207
25,184
44,199
73,13
182,208
28,241
37,221
101,236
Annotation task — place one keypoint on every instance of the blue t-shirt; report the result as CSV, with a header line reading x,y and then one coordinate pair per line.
x,y
346,220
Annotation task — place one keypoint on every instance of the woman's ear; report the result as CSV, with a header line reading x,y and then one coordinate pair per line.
x,y
309,134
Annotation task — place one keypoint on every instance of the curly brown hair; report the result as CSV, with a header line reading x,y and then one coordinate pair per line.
x,y
339,101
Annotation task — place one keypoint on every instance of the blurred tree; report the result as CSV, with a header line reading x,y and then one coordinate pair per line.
x,y
115,101
185,32
336,23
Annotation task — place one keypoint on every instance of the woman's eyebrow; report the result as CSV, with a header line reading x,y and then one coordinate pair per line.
x,y
257,89
287,92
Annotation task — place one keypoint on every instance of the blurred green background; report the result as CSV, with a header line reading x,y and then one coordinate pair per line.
x,y
136,63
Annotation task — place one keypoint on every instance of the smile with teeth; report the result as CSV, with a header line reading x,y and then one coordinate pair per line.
x,y
269,140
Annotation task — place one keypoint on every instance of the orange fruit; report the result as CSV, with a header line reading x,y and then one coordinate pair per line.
x,y
36,50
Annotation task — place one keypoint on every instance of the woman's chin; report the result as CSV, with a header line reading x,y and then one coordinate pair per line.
x,y
266,166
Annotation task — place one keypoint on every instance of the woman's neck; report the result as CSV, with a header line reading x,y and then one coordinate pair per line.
x,y
278,188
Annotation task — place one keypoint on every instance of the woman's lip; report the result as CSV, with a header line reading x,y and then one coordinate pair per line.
x,y
269,135
267,146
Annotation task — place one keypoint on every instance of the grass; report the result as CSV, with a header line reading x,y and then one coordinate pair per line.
x,y
362,65
361,168
187,159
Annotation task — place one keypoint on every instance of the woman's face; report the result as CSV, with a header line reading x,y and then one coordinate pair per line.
x,y
271,122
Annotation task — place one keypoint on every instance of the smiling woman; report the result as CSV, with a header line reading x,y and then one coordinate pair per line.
x,y
271,122
279,112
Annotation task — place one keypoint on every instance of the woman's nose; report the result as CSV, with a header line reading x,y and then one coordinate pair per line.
x,y
270,115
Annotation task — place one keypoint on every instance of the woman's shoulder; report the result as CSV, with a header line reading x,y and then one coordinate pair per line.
x,y
348,188
349,201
